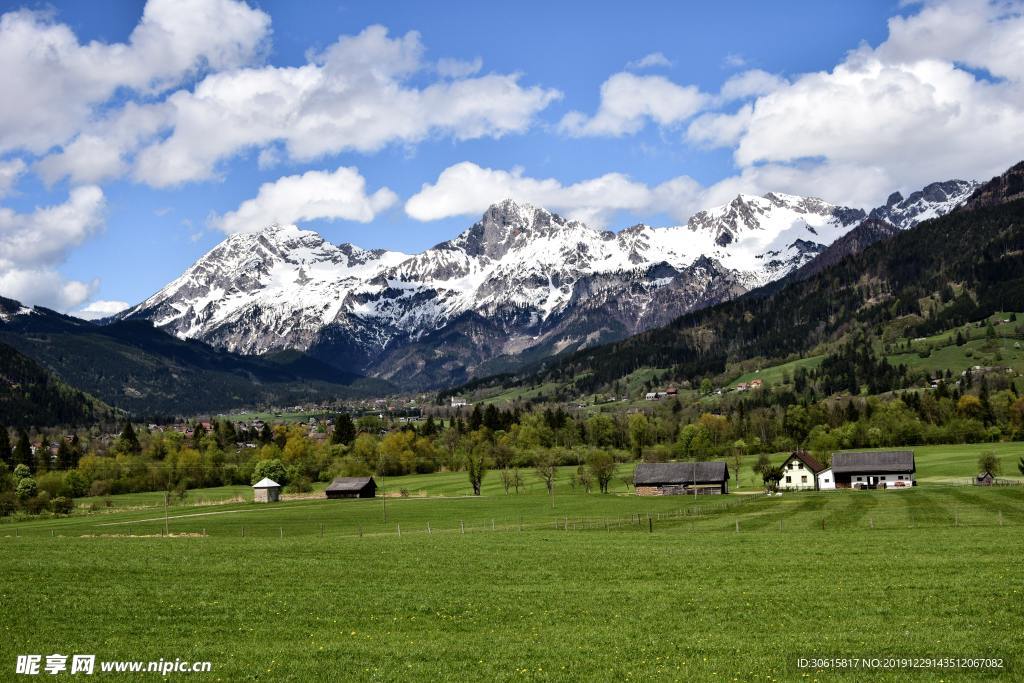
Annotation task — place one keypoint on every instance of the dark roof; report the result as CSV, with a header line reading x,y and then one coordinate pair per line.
x,y
873,462
806,458
985,475
349,483
653,473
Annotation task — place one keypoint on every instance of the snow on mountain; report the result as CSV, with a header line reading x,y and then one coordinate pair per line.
x,y
932,201
520,279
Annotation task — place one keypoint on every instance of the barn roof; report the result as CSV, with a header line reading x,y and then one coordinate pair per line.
x,y
349,483
806,458
651,473
871,462
266,483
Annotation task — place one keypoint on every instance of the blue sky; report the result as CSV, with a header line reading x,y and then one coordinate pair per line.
x,y
608,113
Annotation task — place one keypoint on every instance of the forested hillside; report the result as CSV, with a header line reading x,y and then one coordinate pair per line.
x,y
136,367
31,396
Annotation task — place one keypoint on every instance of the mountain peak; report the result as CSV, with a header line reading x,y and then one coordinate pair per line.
x,y
934,199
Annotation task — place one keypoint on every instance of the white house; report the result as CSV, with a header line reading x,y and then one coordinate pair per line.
x,y
458,402
799,472
826,480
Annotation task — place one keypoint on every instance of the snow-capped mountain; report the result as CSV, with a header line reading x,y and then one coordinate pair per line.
x,y
932,201
521,282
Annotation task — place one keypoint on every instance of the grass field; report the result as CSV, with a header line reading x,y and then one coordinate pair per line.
x,y
507,587
581,592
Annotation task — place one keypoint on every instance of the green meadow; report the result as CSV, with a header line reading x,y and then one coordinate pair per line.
x,y
442,586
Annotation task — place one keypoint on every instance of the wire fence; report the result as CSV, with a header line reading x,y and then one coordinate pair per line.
x,y
803,512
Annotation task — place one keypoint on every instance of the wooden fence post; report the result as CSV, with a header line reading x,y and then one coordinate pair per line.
x,y
462,526
399,527
428,529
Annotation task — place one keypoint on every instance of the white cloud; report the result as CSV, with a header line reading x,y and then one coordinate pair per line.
x,y
353,97
45,235
734,60
468,189
654,59
10,171
45,287
628,101
719,130
268,158
100,309
893,117
310,196
33,244
52,82
751,83
457,68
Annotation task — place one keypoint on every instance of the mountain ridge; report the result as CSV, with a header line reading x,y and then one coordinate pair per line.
x,y
534,280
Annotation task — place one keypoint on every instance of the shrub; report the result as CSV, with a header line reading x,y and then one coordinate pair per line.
x,y
100,487
26,489
299,485
75,484
271,469
62,505
37,504
8,503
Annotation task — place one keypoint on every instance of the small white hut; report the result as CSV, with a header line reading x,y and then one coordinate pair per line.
x,y
266,490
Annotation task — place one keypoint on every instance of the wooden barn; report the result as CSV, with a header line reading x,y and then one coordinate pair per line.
x,y
352,487
681,478
874,470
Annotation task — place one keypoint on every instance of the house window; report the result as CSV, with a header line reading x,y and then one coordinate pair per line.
x,y
900,477
827,480
803,479
791,465
860,478
789,480
883,477
799,465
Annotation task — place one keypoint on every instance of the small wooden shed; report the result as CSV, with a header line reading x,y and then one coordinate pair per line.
x,y
352,487
985,479
266,490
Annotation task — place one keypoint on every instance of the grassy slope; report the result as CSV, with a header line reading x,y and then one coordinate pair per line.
x,y
692,601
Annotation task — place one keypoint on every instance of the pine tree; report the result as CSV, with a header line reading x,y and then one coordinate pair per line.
x,y
429,428
76,451
197,435
344,430
65,457
6,454
42,458
23,451
266,436
127,442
